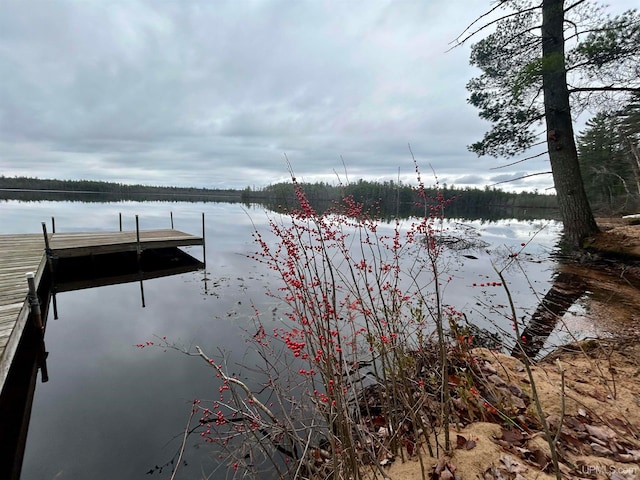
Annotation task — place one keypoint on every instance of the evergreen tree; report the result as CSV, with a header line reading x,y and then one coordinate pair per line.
x,y
543,59
605,170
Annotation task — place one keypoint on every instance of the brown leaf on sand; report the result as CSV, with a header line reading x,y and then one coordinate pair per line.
x,y
512,436
602,432
511,465
541,459
463,444
597,395
443,470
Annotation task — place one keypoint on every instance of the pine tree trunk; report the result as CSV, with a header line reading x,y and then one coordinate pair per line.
x,y
574,207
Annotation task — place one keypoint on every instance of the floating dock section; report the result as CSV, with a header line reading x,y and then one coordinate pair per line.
x,y
35,253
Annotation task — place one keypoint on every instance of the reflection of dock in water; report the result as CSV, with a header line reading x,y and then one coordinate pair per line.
x,y
62,263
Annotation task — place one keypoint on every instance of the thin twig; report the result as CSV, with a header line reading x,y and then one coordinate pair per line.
x,y
187,431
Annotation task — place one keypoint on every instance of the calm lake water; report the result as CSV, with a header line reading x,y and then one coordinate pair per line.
x,y
112,410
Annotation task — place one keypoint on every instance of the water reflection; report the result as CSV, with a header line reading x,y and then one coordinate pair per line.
x,y
566,289
112,410
71,274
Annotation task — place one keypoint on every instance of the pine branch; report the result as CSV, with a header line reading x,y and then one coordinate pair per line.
x,y
520,178
605,88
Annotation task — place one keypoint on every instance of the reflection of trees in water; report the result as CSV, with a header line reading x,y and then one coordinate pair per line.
x,y
567,288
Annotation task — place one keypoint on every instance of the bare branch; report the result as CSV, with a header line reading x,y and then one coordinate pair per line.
x,y
577,65
519,161
605,88
520,178
458,41
241,384
187,431
574,5
575,28
597,30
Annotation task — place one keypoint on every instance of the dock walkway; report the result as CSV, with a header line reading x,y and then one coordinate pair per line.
x,y
23,253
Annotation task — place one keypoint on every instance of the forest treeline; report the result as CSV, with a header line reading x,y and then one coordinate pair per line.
x,y
390,198
397,199
609,153
109,188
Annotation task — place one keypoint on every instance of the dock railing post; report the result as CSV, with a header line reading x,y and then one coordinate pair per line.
x,y
204,244
138,246
53,224
46,237
171,213
34,303
120,216
48,252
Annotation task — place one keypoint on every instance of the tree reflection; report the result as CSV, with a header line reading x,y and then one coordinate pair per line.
x,y
567,288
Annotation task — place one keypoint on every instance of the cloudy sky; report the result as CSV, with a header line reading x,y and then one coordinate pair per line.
x,y
214,93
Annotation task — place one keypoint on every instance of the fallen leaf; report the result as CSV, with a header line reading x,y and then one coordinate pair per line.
x,y
493,473
496,380
574,423
463,444
440,466
600,450
603,432
488,367
615,475
541,459
631,455
446,475
511,465
512,436
597,395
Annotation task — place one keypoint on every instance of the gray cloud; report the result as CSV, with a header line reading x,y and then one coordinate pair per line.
x,y
214,93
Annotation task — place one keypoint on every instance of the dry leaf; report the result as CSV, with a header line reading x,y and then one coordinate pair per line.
x,y
439,467
446,475
598,396
541,458
512,436
463,444
600,450
496,380
511,465
603,432
488,367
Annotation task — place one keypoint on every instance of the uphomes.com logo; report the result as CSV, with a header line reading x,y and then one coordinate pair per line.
x,y
608,470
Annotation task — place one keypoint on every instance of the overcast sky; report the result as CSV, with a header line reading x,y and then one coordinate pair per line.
x,y
214,93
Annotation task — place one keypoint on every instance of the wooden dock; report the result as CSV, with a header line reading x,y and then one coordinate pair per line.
x,y
20,254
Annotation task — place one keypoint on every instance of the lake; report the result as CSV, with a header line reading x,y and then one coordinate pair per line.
x,y
114,410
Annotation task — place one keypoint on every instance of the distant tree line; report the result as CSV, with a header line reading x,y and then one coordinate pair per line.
x,y
110,188
389,198
392,199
